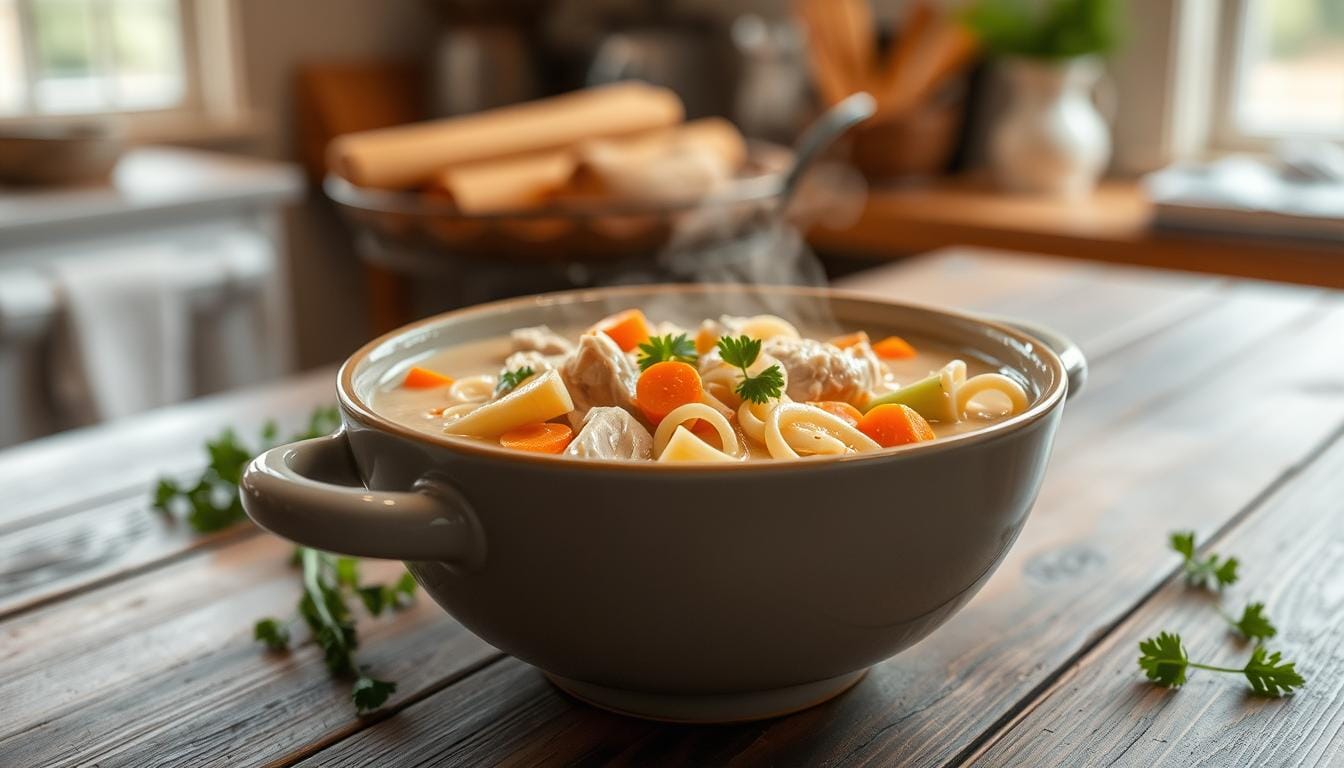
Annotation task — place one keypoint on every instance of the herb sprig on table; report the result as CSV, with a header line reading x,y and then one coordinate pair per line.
x,y
331,584
1164,659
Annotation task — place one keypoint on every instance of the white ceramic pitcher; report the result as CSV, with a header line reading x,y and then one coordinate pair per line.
x,y
1051,140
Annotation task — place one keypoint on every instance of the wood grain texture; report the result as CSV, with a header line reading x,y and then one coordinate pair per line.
x,y
1113,226
144,657
162,670
58,536
1102,711
1165,447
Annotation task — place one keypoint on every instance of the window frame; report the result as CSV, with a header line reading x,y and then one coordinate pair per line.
x,y
1230,67
211,105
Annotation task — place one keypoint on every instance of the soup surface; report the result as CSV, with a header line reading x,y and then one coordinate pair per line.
x,y
733,389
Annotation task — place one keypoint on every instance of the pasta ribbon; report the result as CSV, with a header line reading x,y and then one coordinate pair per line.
x,y
991,382
689,412
767,327
785,415
540,398
472,389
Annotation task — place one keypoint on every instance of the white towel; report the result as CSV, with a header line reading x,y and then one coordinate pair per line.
x,y
124,343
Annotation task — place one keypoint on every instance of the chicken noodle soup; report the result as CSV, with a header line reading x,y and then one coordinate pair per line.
x,y
732,389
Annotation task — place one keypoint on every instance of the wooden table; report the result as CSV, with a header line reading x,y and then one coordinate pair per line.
x,y
1114,224
1214,405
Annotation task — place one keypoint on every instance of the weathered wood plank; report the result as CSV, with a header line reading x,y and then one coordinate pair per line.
x,y
1103,712
1091,551
58,536
53,542
162,670
67,471
241,731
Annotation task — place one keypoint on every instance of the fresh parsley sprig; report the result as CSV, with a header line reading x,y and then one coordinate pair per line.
x,y
509,380
669,348
211,503
1210,571
1253,623
329,582
741,352
1164,661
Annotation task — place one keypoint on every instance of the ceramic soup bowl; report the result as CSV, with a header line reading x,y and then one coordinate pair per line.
x,y
681,592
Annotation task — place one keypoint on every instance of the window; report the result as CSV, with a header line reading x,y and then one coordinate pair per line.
x,y
66,57
168,67
1284,71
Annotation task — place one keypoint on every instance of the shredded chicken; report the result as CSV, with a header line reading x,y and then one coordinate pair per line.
x,y
599,373
820,371
611,433
540,338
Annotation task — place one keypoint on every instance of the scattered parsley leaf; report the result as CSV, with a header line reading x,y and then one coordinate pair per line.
x,y
662,349
1212,571
1269,675
741,353
370,694
509,380
272,633
212,503
1254,624
1163,659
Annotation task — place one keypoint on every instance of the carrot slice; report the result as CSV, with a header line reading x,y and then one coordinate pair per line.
x,y
895,424
628,329
423,378
663,387
894,348
841,410
543,437
849,339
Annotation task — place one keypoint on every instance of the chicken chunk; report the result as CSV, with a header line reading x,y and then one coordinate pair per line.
x,y
611,433
820,371
599,373
540,338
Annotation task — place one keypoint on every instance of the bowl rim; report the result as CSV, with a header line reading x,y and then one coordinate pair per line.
x,y
355,406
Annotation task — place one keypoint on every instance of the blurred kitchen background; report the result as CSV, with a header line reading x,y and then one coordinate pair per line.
x,y
172,224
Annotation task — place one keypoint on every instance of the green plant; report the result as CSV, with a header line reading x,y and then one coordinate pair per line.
x,y
1046,29
211,503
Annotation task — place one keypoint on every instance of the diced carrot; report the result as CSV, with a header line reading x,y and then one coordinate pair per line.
x,y
849,339
663,387
628,329
894,348
423,378
543,437
895,424
842,410
705,340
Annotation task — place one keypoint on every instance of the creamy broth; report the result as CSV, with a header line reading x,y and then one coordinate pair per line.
x,y
422,409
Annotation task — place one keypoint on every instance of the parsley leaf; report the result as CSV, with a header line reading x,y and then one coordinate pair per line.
x,y
662,349
741,353
1254,624
370,694
1163,659
1212,571
509,380
1269,675
273,633
212,503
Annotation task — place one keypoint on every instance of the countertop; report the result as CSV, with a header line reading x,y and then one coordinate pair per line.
x,y
1215,405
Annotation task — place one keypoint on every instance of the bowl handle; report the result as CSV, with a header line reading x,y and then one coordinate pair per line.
x,y
1075,364
310,493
